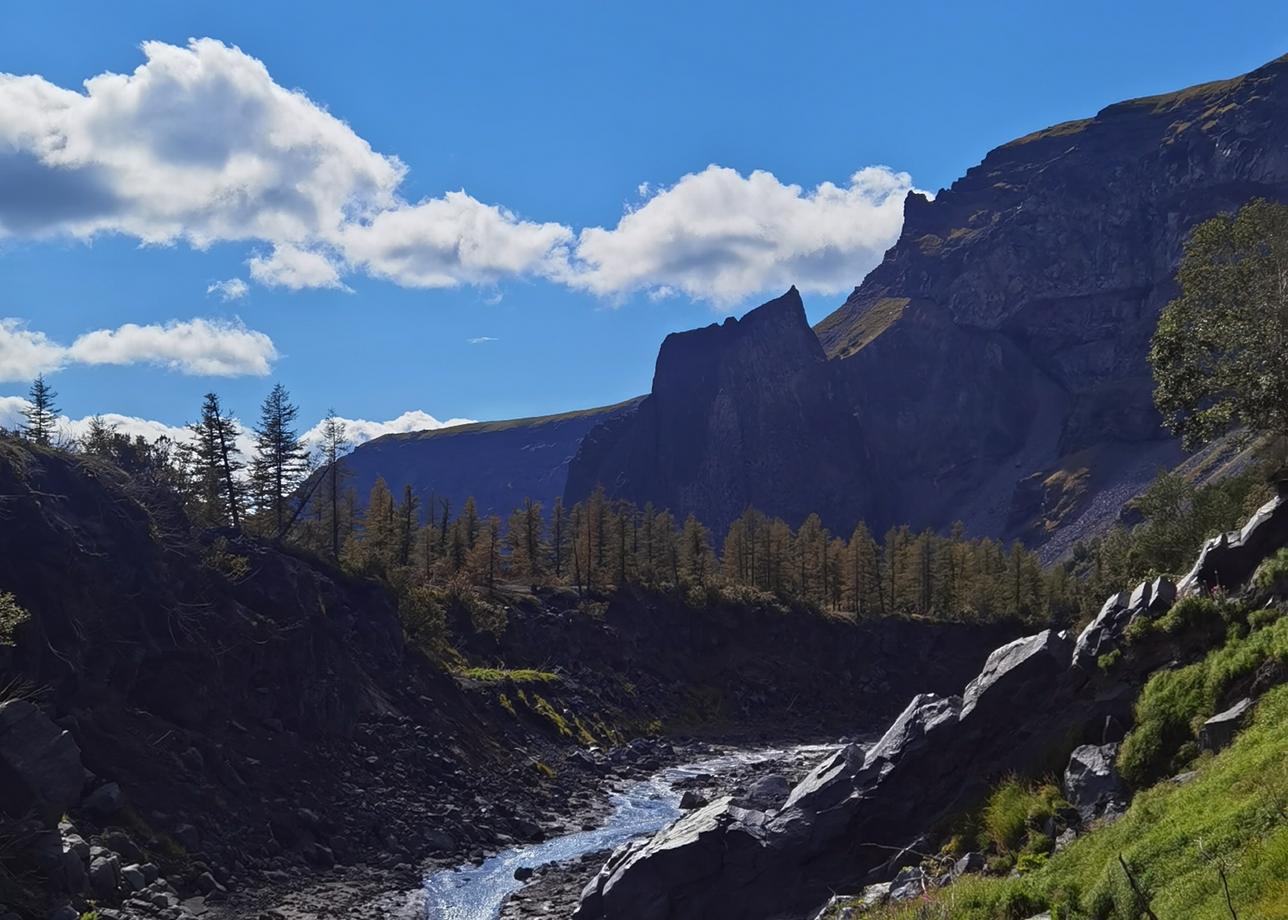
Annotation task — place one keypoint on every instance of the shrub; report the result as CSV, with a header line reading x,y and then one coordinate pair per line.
x,y
1273,573
11,617
1030,861
1109,660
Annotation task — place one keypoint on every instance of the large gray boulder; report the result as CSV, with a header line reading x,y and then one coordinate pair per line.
x,y
40,764
1091,781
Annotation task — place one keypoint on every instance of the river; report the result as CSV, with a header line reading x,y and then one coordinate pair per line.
x,y
478,892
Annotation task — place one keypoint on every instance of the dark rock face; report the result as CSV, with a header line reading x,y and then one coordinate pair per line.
x,y
498,463
745,413
993,368
1045,267
40,765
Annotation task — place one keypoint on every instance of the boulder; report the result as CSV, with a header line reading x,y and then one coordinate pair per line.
x,y
105,875
969,864
1218,731
691,800
767,793
133,878
40,764
911,882
1228,561
1103,633
1017,668
1091,782
104,802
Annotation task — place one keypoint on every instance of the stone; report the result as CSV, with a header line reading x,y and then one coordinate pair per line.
x,y
40,763
1102,634
105,875
1218,731
969,864
766,793
1091,782
1227,561
691,800
523,873
104,802
911,882
1018,668
134,878
74,875
63,912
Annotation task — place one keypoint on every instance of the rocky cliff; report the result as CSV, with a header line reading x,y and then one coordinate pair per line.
x,y
747,413
993,368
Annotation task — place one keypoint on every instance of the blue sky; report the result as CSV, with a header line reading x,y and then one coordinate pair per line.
x,y
565,115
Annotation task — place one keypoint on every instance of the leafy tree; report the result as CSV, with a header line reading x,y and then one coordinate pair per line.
x,y
40,413
1220,353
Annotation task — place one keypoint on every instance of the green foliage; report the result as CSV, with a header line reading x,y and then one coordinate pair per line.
x,y
424,619
1109,660
1030,861
1174,703
1273,573
1218,350
11,617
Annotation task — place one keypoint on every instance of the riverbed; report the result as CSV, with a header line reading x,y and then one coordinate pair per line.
x,y
642,807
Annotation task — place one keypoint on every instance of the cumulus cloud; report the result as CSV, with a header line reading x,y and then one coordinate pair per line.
x,y
24,353
200,144
294,268
718,235
11,417
197,347
229,289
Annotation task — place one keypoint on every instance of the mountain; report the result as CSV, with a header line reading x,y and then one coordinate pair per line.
x,y
993,368
745,413
498,463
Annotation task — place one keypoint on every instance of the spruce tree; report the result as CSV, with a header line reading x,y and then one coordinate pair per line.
x,y
280,459
216,463
40,413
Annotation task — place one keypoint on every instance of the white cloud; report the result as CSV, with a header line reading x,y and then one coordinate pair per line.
x,y
229,289
291,267
198,347
200,144
25,353
361,430
444,242
720,236
482,339
11,417
202,347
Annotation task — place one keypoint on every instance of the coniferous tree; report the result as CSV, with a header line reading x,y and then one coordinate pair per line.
x,y
527,548
216,461
560,539
335,444
40,413
280,463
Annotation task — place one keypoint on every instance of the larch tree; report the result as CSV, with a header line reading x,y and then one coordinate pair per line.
x,y
335,444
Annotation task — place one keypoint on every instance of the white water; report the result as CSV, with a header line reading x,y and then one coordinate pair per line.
x,y
478,892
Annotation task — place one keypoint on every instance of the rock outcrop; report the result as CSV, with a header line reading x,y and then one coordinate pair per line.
x,y
746,413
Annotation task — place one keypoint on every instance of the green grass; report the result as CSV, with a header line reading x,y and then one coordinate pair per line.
x,y
1175,838
504,675
1174,703
1014,814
